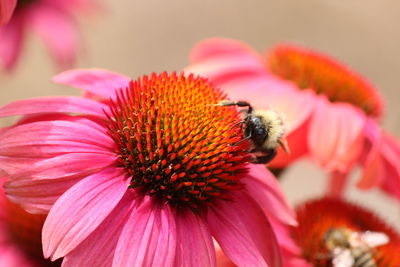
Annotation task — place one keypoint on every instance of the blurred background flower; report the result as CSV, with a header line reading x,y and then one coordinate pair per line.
x,y
54,21
327,224
20,236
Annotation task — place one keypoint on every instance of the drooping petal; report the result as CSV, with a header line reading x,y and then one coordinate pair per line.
x,y
80,210
6,10
390,151
337,182
335,137
11,36
58,30
148,238
96,81
194,243
64,104
98,249
372,172
265,189
244,233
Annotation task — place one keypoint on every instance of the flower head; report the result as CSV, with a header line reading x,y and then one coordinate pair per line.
x,y
52,20
146,171
320,219
330,110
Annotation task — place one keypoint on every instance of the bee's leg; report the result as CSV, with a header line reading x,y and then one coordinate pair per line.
x,y
244,139
267,156
238,103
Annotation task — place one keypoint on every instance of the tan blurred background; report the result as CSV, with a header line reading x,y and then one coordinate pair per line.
x,y
138,37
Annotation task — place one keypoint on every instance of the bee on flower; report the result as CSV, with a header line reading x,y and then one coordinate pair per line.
x,y
145,171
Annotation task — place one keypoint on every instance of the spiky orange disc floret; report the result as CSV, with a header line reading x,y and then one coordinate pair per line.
x,y
175,143
324,75
317,217
24,230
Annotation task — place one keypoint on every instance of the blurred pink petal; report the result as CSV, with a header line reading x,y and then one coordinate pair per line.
x,y
148,238
70,222
265,189
335,135
196,248
244,234
6,10
373,172
11,36
97,81
58,31
52,20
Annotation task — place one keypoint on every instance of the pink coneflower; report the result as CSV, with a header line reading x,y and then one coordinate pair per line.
x,y
52,20
332,112
140,173
320,219
20,236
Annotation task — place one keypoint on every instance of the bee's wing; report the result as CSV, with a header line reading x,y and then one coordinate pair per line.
x,y
374,239
342,258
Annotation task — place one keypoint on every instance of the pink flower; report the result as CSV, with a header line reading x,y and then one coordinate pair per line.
x,y
146,172
20,236
331,111
52,20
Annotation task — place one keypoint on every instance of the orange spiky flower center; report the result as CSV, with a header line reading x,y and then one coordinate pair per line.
x,y
311,70
24,231
319,218
175,143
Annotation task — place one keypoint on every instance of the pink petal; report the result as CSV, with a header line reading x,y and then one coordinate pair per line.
x,y
265,189
67,165
222,60
38,196
149,237
58,30
49,138
335,137
66,104
80,210
244,233
372,173
6,10
104,239
97,81
215,47
11,36
194,243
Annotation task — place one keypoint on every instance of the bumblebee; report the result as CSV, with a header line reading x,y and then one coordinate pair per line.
x,y
265,130
349,248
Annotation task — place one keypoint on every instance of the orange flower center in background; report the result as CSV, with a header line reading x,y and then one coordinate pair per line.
x,y
25,232
328,223
311,70
175,143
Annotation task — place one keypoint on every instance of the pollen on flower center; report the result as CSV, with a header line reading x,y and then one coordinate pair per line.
x,y
324,75
174,143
